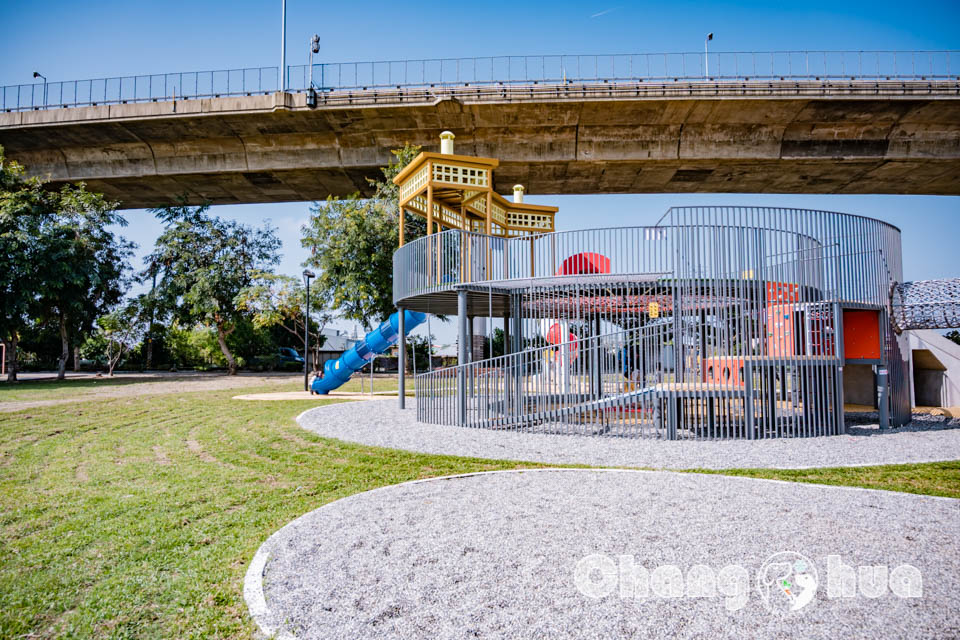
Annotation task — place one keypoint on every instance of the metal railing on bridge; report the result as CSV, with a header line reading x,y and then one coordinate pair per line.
x,y
749,66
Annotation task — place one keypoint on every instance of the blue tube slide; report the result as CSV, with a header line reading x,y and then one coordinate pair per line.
x,y
336,372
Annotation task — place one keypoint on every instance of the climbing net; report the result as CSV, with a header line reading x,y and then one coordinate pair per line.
x,y
926,304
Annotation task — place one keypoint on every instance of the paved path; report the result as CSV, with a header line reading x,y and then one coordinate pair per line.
x,y
930,438
85,387
495,556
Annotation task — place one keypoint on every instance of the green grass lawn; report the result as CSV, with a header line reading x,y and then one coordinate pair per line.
x,y
932,478
137,517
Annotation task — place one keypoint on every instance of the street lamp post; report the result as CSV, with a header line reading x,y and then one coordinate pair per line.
x,y
311,92
706,55
283,46
37,74
307,274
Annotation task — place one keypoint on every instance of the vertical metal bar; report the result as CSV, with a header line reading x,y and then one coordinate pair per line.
x,y
462,357
402,358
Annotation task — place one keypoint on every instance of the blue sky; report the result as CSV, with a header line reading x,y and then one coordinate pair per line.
x,y
68,40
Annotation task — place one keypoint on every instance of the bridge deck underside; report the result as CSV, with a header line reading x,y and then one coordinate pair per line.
x,y
894,138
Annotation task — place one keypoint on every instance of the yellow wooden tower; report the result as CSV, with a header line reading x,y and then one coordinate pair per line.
x,y
456,192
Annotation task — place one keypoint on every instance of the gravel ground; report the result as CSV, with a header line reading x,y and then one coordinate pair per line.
x,y
494,556
928,438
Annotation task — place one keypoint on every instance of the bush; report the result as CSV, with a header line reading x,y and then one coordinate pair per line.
x,y
264,363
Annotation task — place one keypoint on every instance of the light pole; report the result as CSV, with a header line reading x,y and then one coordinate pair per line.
x,y
706,55
307,274
283,46
37,74
311,92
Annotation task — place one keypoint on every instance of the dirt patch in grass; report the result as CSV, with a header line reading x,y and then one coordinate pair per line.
x,y
160,456
197,448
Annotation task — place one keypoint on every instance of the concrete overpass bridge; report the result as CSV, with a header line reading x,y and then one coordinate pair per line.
x,y
794,122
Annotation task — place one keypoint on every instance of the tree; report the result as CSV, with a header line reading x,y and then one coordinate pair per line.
x,y
203,263
121,330
62,264
21,199
86,271
279,301
499,338
352,243
418,353
953,336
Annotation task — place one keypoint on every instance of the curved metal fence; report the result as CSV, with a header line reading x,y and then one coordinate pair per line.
x,y
718,322
745,66
862,254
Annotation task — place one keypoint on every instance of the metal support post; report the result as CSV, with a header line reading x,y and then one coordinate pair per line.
x,y
402,358
883,395
507,347
838,352
463,334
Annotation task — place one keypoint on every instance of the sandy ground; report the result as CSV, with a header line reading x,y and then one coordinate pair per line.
x,y
140,384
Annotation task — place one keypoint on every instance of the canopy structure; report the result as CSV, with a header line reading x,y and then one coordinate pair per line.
x,y
456,192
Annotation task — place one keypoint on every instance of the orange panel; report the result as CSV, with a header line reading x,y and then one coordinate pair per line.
x,y
780,338
861,335
782,292
723,370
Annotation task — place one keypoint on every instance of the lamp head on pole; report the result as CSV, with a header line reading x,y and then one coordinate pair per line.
x,y
709,37
307,274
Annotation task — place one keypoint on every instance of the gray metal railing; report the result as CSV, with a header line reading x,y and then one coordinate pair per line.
x,y
848,243
819,66
741,312
131,89
567,386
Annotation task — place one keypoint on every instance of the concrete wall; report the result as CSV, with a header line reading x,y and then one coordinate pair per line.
x,y
737,137
935,363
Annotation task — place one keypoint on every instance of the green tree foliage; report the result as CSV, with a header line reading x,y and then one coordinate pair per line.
x,y
87,265
121,330
418,353
63,264
203,263
192,346
18,253
498,343
279,301
953,336
352,243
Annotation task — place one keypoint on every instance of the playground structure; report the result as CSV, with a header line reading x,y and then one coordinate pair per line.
x,y
716,322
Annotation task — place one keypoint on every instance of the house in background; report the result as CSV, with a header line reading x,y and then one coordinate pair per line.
x,y
336,343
